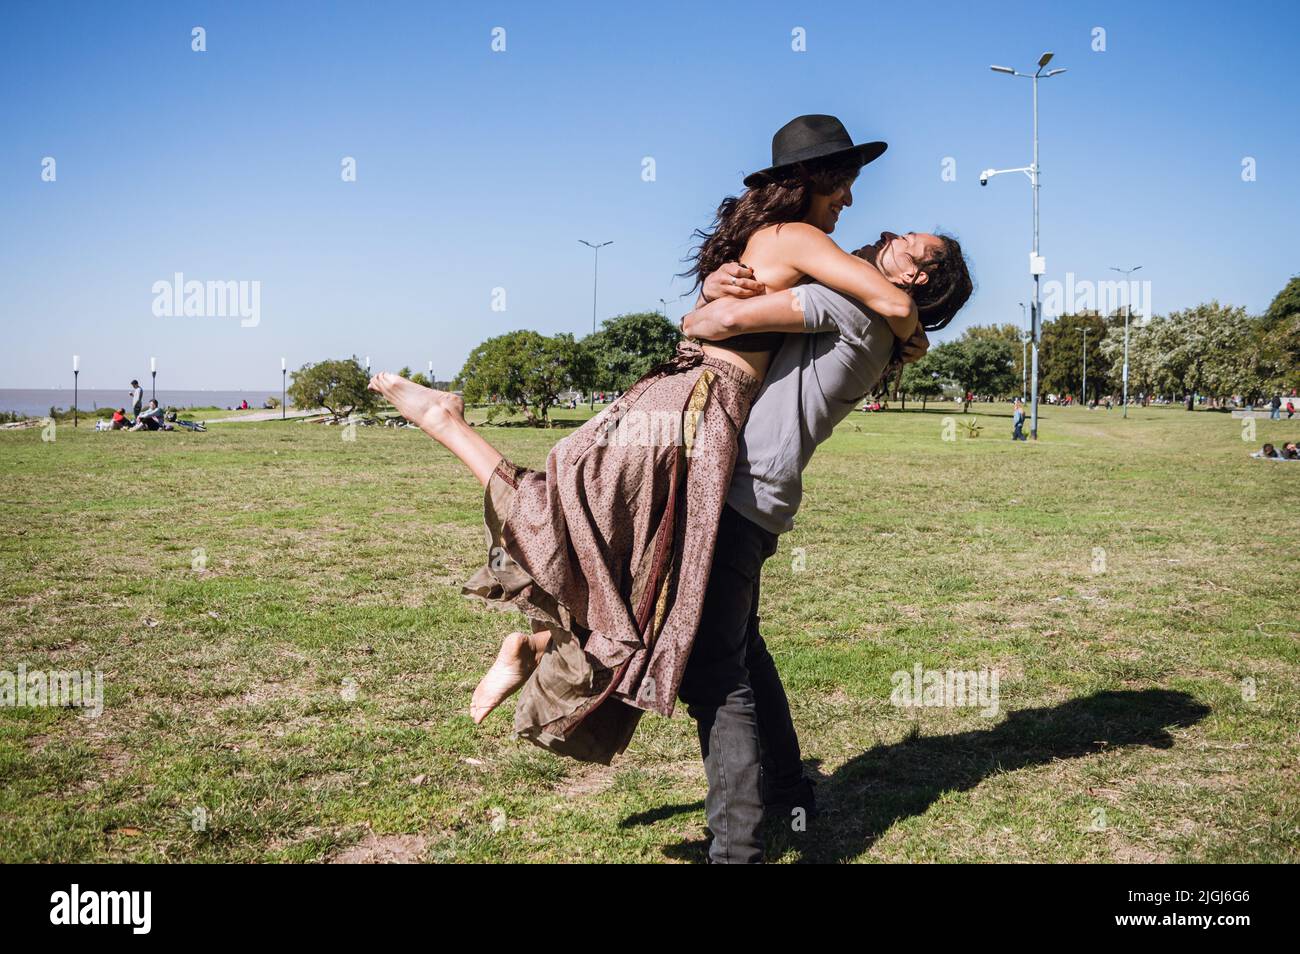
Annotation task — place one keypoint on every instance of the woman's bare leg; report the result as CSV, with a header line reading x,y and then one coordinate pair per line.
x,y
520,653
442,417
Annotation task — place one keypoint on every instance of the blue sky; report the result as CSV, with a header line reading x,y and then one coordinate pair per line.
x,y
479,170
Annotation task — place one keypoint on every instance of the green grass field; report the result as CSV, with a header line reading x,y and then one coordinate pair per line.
x,y
287,660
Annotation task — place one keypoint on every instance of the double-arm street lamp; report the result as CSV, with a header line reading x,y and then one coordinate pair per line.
x,y
665,302
595,275
1036,264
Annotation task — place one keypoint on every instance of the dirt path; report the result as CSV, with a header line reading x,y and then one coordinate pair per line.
x,y
267,415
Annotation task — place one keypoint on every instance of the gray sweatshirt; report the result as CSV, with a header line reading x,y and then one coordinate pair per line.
x,y
814,381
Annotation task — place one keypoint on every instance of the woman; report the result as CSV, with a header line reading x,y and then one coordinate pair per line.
x,y
607,551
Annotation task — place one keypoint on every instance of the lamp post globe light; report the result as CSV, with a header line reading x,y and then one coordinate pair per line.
x,y
1036,263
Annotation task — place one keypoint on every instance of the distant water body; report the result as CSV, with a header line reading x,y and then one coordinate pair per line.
x,y
38,401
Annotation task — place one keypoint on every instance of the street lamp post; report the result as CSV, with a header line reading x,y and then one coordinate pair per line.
x,y
666,302
1128,299
1085,369
431,381
284,388
1024,355
153,372
595,275
76,371
1036,264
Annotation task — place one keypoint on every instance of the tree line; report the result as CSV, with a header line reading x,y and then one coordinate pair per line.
x,y
1212,350
1219,352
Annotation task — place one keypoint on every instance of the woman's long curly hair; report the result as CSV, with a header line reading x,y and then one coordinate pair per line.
x,y
784,196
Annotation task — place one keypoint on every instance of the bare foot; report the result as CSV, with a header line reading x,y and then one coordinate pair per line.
x,y
431,410
515,663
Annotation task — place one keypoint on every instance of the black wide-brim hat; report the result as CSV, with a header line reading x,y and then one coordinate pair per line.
x,y
813,137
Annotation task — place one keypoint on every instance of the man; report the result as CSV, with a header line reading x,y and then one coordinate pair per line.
x,y
137,398
731,686
150,420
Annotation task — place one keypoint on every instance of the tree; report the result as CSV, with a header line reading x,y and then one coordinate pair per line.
x,y
1285,306
523,371
979,366
1201,349
415,377
1060,354
1009,332
921,379
338,386
1143,355
627,346
1279,340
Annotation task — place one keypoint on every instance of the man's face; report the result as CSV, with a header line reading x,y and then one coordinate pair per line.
x,y
896,256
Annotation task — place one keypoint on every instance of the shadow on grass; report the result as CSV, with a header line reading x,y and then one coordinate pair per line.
x,y
862,799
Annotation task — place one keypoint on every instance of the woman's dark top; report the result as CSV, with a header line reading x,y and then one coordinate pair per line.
x,y
755,341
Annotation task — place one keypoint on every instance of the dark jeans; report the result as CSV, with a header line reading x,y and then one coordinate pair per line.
x,y
734,694
1018,430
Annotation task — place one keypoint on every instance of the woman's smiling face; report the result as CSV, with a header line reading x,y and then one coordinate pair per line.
x,y
825,210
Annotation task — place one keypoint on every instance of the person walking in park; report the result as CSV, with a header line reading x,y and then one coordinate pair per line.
x,y
1018,421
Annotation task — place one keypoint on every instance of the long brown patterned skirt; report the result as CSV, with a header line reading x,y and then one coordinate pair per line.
x,y
610,547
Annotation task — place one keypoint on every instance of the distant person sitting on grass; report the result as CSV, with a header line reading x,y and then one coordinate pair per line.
x,y
150,419
120,421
